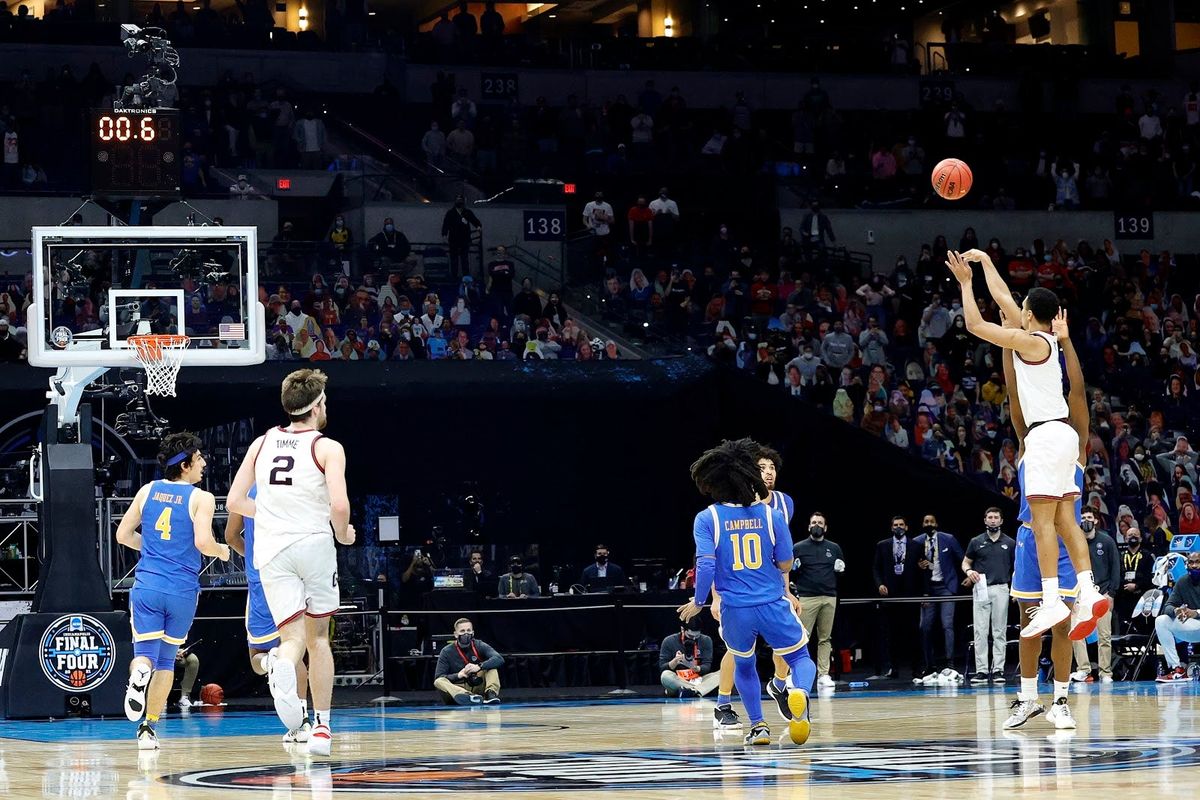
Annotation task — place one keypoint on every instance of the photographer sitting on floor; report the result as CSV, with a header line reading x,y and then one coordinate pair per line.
x,y
686,660
465,666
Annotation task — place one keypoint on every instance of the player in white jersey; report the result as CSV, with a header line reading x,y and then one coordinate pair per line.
x,y
300,477
1051,445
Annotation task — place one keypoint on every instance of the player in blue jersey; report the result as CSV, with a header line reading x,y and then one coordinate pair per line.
x,y
175,518
261,633
769,463
1027,574
744,550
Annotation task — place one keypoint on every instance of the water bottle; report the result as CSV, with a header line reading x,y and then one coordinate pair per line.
x,y
858,684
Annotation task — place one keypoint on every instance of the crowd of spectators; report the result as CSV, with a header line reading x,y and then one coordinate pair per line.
x,y
890,354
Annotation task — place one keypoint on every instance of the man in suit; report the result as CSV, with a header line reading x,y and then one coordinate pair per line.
x,y
602,575
940,560
896,572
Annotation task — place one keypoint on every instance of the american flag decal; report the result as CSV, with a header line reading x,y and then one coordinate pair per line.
x,y
232,331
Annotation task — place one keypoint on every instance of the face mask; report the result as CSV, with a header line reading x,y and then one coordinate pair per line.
x,y
1133,542
601,560
1087,525
898,532
1194,574
389,228
517,569
929,528
817,532
1139,456
993,530
464,639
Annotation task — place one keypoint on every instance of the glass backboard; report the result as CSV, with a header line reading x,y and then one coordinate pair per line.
x,y
94,287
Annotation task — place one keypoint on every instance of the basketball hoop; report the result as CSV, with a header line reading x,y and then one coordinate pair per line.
x,y
160,355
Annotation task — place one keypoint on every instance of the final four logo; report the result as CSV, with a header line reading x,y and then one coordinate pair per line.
x,y
77,653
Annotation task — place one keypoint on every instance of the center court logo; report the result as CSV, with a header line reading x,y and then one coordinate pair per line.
x,y
864,762
77,653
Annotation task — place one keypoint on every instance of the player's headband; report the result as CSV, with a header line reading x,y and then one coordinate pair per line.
x,y
181,457
308,407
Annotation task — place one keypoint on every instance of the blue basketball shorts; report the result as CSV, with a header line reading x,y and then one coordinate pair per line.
x,y
775,622
1027,575
155,615
261,633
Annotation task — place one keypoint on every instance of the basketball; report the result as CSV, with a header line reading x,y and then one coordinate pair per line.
x,y
78,677
951,179
211,694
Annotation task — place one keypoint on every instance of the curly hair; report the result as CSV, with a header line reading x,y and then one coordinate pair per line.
x,y
770,454
171,446
729,473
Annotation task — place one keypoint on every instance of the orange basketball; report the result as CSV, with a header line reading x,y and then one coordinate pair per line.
x,y
951,179
211,694
78,677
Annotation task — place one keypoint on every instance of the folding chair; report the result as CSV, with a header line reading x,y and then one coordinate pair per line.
x,y
1131,648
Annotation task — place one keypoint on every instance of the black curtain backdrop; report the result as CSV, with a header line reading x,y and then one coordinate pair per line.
x,y
580,453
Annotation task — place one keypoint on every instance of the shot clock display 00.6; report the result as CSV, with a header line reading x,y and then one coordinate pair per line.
x,y
135,152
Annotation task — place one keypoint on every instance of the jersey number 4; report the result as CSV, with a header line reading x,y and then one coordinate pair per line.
x,y
747,551
279,475
163,524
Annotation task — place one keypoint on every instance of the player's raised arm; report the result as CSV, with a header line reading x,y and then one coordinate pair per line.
x,y
203,506
235,524
996,285
333,462
706,564
238,501
1077,395
127,530
1031,348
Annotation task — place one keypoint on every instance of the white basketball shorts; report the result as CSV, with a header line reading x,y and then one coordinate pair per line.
x,y
302,579
1051,452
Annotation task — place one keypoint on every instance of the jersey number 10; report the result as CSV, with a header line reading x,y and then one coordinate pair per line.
x,y
747,551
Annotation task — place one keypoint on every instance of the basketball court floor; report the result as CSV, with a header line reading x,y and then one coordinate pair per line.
x,y
1133,740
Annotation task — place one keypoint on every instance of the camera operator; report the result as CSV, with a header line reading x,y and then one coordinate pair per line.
x,y
465,666
685,661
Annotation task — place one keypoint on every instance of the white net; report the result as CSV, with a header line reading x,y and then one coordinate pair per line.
x,y
161,356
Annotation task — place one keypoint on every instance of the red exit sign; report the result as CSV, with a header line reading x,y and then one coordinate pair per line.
x,y
283,184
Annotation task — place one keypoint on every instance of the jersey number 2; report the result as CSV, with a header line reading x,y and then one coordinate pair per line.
x,y
163,525
279,475
747,551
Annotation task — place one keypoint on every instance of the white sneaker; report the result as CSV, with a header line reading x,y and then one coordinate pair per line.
x,y
1092,602
1045,617
1060,715
300,734
1022,711
1081,675
320,741
135,692
281,678
1106,678
826,682
147,739
185,701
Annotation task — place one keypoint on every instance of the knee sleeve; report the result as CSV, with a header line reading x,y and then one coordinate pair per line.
x,y
166,656
804,669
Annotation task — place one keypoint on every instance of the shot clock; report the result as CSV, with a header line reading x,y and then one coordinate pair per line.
x,y
135,152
